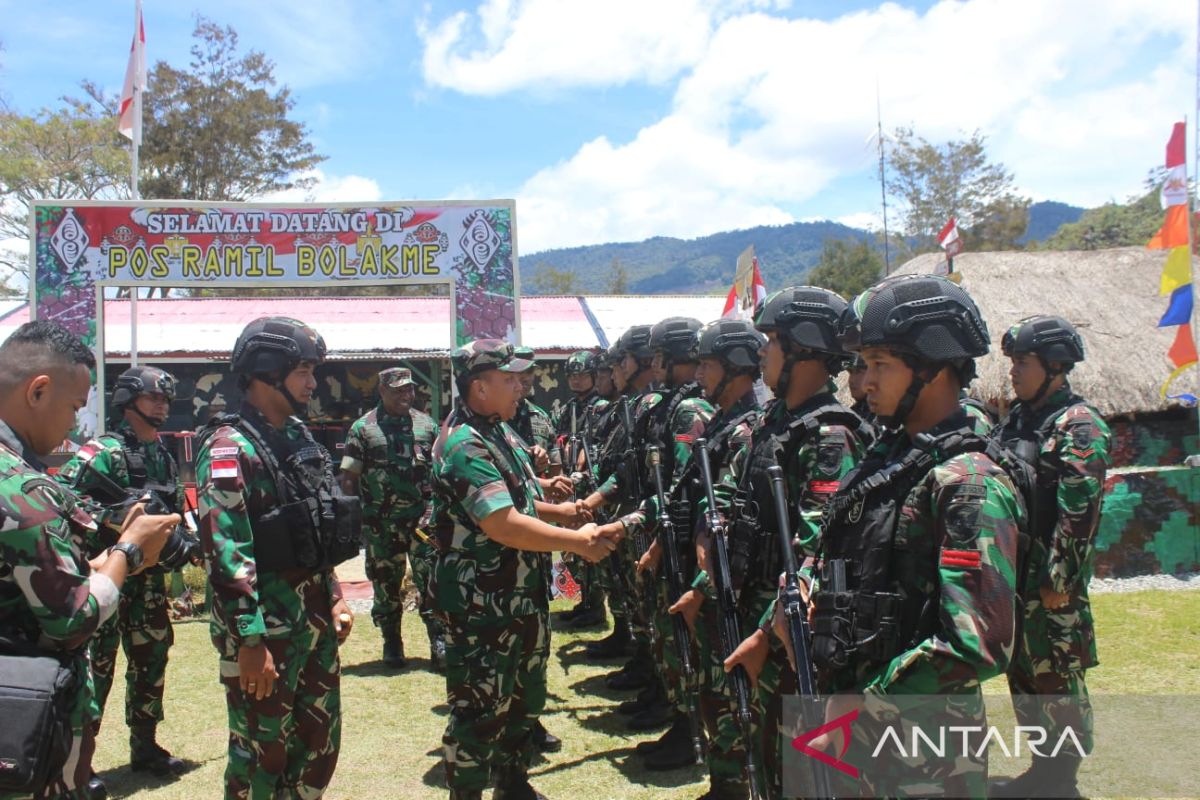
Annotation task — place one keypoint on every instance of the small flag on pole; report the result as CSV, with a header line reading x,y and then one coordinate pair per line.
x,y
748,289
949,239
129,124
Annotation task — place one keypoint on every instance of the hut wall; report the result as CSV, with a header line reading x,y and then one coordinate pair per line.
x,y
1161,440
1150,523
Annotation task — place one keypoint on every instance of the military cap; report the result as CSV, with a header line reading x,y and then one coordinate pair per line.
x,y
525,354
482,355
395,377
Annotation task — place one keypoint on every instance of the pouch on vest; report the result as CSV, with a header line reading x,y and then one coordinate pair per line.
x,y
284,537
341,528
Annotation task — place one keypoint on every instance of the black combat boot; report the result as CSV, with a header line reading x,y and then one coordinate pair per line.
x,y
145,754
638,672
393,647
96,788
544,740
653,718
680,729
615,645
675,754
514,785
592,615
645,698
1046,777
727,790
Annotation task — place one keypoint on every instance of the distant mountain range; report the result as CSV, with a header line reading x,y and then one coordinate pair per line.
x,y
664,265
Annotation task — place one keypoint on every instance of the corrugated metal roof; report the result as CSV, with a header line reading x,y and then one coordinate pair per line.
x,y
618,313
206,327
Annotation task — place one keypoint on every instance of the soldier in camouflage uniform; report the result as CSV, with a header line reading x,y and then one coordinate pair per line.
x,y
532,423
1068,443
816,440
268,501
729,367
672,424
52,599
621,485
581,413
386,462
489,582
131,457
915,590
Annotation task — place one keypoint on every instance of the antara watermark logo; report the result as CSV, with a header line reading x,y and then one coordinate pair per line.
x,y
923,744
917,741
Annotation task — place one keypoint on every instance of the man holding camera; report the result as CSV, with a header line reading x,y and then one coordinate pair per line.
x,y
273,524
105,469
52,598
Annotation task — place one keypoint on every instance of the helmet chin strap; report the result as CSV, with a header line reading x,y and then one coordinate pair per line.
x,y
909,400
151,421
298,408
1051,374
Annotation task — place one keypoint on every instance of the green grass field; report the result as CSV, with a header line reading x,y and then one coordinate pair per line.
x,y
1149,643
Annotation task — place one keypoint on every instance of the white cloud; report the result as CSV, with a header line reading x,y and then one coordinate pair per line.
x,y
768,111
864,220
539,44
330,189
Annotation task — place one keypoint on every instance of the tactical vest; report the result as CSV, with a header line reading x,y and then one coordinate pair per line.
x,y
754,555
1027,443
313,525
861,616
139,477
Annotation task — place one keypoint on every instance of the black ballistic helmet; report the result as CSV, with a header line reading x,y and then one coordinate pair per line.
x,y
733,342
635,341
676,338
804,317
1051,338
274,346
581,362
927,319
925,316
137,381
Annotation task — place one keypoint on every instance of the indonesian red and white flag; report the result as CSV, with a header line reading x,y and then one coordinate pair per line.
x,y
129,123
748,289
949,240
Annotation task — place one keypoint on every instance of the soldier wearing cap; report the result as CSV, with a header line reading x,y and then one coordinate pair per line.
x,y
386,463
489,582
532,423
274,523
131,457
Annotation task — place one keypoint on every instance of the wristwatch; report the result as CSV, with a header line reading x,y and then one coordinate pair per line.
x,y
133,555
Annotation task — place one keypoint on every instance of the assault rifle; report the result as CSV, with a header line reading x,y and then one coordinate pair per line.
x,y
799,636
676,586
728,624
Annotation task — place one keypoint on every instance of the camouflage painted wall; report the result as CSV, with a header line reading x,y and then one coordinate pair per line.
x,y
1150,523
1160,441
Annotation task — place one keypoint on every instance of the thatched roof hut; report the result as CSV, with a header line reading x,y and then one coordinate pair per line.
x,y
1111,296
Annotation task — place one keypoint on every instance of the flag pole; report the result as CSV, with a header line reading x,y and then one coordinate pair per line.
x,y
1191,244
133,181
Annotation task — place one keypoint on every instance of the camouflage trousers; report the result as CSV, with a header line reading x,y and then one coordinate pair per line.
x,y
390,546
726,756
776,679
286,745
142,626
1052,700
680,693
496,689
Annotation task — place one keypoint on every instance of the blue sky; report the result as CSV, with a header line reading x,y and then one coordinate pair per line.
x,y
626,119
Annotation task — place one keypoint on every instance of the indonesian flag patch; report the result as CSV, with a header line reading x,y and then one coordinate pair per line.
x,y
225,468
963,559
